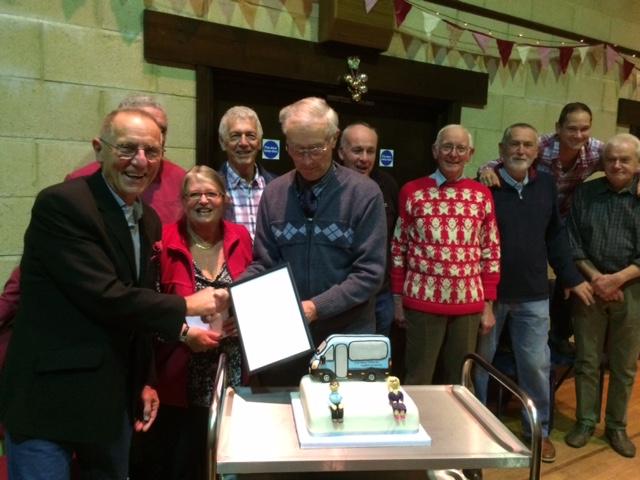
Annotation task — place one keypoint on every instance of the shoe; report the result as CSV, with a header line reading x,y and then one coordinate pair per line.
x,y
548,453
579,436
620,442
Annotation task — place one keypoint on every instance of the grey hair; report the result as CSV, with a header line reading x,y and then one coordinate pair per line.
x,y
234,113
623,138
506,136
444,129
310,108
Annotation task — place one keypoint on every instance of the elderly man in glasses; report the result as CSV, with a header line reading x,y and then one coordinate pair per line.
x,y
446,262
80,352
328,222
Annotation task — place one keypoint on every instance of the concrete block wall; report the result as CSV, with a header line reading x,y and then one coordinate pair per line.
x,y
64,65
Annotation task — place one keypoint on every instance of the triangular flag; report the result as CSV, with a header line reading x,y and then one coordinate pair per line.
x,y
523,52
504,47
583,52
612,56
369,4
430,22
401,8
627,68
482,40
565,58
454,34
544,57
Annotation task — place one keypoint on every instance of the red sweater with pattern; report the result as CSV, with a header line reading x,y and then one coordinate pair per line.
x,y
445,250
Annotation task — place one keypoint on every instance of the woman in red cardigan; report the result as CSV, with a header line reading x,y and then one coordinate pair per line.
x,y
200,250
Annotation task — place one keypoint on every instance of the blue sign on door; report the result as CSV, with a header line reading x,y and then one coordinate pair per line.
x,y
386,157
270,149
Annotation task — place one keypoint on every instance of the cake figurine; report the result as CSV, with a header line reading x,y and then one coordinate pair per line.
x,y
335,403
396,398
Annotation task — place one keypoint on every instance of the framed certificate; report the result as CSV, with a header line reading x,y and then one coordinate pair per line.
x,y
271,323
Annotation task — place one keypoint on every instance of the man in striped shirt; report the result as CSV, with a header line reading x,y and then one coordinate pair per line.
x,y
240,136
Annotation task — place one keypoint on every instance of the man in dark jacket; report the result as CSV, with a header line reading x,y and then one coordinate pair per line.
x,y
531,233
79,356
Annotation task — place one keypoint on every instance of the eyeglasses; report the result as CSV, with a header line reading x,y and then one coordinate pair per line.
x,y
450,147
235,137
313,152
209,195
130,150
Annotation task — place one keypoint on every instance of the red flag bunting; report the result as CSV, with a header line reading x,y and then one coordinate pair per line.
x,y
627,68
402,9
504,47
565,58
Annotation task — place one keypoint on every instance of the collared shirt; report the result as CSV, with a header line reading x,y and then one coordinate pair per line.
x,y
132,214
245,198
308,194
441,179
509,180
604,225
588,161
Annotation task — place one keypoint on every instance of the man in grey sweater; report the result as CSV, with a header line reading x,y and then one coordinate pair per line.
x,y
329,223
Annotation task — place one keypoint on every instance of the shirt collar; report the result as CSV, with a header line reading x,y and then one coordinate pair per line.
x,y
318,186
234,179
133,213
512,181
440,178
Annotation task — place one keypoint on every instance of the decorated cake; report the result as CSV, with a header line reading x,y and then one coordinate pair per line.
x,y
357,407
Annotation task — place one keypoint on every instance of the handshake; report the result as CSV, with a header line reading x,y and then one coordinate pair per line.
x,y
205,303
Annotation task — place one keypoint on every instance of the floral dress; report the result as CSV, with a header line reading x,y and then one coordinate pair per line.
x,y
203,365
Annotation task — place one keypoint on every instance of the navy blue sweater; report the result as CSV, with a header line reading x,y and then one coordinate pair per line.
x,y
532,233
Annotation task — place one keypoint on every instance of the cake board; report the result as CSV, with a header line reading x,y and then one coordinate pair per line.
x,y
419,439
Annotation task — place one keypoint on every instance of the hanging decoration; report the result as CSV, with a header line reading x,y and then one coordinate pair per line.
x,y
356,81
600,51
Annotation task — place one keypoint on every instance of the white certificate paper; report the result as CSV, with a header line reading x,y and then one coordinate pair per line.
x,y
270,320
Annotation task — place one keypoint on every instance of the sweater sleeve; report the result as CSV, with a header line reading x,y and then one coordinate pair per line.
x,y
399,242
559,250
490,248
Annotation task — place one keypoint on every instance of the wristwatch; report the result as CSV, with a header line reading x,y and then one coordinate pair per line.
x,y
183,333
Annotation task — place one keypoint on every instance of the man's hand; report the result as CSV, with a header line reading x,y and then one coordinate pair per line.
x,y
606,286
398,312
309,310
150,404
201,340
487,319
488,177
583,291
208,301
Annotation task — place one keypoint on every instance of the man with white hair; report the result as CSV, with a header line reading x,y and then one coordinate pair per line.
x,y
604,225
328,222
446,262
240,137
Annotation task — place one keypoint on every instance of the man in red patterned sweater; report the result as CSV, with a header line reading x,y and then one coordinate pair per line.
x,y
445,257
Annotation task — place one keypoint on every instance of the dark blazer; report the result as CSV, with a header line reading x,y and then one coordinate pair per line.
x,y
79,353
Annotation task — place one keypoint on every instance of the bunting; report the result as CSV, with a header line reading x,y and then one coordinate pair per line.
x,y
369,4
565,58
504,47
402,9
627,68
601,52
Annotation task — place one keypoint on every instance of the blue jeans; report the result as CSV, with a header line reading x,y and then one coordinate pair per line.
x,y
384,312
39,459
529,331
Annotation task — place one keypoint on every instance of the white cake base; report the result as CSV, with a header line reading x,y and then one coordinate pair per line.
x,y
307,440
366,409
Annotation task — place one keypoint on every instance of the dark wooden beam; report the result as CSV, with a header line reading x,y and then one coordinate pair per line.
x,y
628,112
531,25
187,42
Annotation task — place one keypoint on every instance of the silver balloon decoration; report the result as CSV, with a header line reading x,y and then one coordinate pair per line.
x,y
356,82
